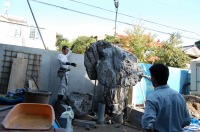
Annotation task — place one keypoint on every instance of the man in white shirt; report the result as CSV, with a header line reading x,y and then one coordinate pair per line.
x,y
64,70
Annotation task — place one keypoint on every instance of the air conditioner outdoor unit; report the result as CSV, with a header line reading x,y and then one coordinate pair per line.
x,y
195,76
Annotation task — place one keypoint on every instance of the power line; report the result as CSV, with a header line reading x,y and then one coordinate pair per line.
x,y
134,17
36,25
177,7
104,18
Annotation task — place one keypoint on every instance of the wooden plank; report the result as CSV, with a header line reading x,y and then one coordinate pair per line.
x,y
31,85
18,74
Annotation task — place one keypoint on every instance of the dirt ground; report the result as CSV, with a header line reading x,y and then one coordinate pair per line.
x,y
193,104
108,128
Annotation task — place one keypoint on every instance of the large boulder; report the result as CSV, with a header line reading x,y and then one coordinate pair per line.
x,y
112,66
92,55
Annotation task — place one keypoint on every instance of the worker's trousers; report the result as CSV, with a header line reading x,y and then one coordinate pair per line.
x,y
63,85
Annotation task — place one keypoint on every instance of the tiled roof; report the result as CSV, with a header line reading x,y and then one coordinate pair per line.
x,y
12,19
193,51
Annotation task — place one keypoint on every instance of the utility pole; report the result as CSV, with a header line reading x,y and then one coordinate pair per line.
x,y
116,3
36,24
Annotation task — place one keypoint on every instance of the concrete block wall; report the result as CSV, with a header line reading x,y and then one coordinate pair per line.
x,y
48,80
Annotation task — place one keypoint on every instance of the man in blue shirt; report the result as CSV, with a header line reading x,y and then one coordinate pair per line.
x,y
165,109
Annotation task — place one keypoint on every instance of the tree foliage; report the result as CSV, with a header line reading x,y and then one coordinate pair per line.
x,y
136,41
80,44
139,43
148,50
112,39
60,42
171,53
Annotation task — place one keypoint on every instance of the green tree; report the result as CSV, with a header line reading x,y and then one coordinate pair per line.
x,y
171,53
59,39
60,42
197,43
139,43
146,48
80,44
112,39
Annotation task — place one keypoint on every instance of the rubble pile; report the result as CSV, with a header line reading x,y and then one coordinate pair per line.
x,y
81,103
193,105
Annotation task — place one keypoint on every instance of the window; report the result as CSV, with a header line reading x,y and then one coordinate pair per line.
x,y
18,31
38,34
32,33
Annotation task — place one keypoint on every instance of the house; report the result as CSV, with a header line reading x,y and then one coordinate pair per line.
x,y
16,31
192,51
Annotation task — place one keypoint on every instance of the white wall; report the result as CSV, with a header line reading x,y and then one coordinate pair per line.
x,y
48,80
195,76
7,36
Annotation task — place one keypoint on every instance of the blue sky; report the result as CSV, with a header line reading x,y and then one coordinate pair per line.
x,y
183,14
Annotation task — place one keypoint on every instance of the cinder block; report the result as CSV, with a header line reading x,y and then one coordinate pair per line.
x,y
135,115
83,123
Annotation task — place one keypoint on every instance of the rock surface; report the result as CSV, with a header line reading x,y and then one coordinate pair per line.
x,y
193,105
81,103
111,65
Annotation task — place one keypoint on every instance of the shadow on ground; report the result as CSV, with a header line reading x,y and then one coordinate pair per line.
x,y
109,128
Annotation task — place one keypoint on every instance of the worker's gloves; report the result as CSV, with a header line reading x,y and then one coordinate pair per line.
x,y
147,77
73,64
68,63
